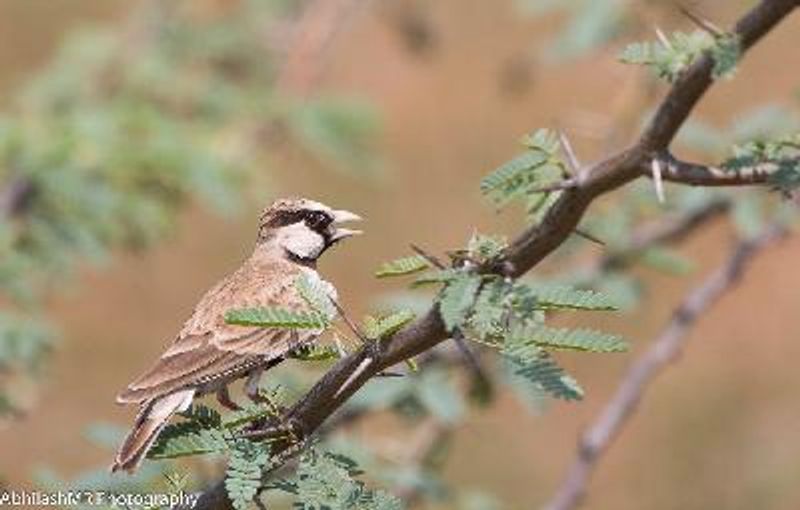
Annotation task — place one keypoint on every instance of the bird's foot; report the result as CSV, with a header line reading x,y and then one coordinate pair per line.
x,y
288,429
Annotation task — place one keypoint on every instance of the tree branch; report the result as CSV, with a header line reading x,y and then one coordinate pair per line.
x,y
694,174
667,230
663,350
319,23
534,244
16,196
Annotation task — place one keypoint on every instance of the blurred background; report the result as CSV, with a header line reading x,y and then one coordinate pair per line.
x,y
405,107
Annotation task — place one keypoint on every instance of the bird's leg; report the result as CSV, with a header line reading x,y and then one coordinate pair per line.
x,y
251,387
253,391
224,398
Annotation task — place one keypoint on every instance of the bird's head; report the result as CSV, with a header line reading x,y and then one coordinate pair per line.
x,y
303,228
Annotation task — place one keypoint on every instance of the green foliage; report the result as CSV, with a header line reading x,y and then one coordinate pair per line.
x,y
23,341
202,415
327,481
782,153
402,266
457,297
482,248
317,293
674,54
492,306
248,414
246,463
543,374
276,318
521,177
323,480
560,297
567,339
726,52
510,316
315,352
436,277
186,439
379,327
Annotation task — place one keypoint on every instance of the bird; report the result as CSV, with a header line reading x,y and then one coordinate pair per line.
x,y
208,354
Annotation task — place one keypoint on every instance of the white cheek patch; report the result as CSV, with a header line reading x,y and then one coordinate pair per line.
x,y
301,241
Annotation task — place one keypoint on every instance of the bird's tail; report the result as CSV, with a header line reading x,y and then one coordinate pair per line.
x,y
151,420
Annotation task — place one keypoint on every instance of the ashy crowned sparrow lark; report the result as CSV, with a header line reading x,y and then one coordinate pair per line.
x,y
208,353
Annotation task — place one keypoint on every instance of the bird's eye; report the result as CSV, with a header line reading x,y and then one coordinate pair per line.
x,y
317,220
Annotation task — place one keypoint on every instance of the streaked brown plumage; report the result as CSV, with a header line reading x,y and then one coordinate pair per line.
x,y
208,353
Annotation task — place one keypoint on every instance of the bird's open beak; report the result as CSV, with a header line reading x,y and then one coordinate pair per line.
x,y
342,216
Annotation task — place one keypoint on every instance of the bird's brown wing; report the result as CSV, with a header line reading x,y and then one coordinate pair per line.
x,y
208,348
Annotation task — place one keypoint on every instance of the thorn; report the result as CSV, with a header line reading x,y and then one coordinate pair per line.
x,y
365,363
387,373
658,180
350,324
704,24
663,39
427,256
572,158
589,237
339,346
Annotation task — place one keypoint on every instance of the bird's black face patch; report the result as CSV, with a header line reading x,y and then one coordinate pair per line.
x,y
318,221
314,219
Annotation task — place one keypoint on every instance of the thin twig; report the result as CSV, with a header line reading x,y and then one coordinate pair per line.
x,y
16,196
665,230
474,364
694,174
319,23
704,24
427,256
664,350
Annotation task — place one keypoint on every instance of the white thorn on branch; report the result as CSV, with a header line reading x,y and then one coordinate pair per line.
x,y
663,39
357,372
658,180
569,152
